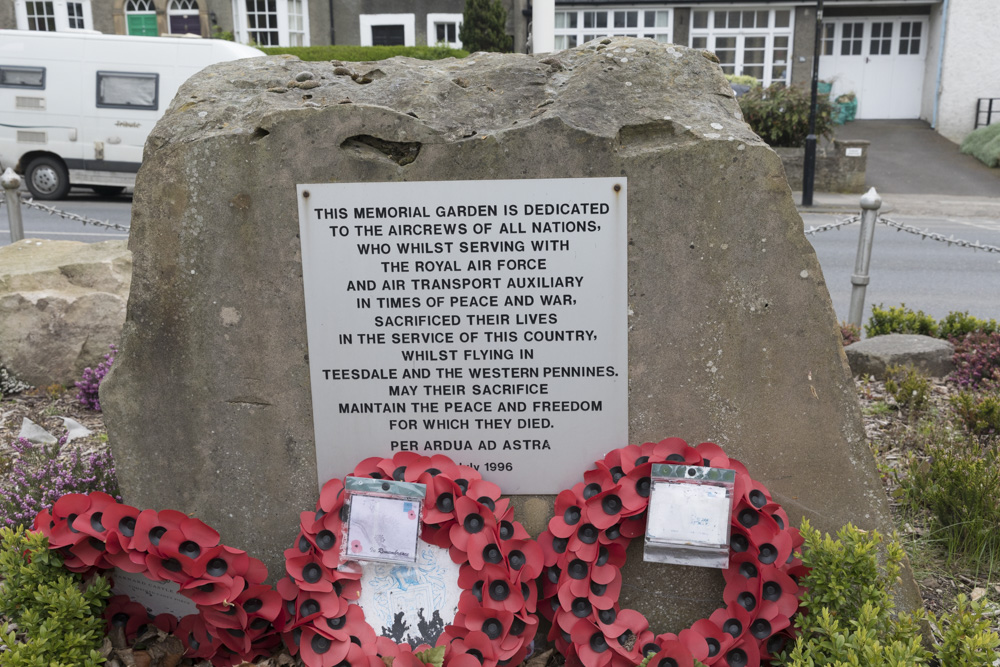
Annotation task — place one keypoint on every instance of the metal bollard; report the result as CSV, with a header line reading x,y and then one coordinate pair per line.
x,y
11,182
870,204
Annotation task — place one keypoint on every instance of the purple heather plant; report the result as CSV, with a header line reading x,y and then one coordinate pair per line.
x,y
39,475
977,361
91,381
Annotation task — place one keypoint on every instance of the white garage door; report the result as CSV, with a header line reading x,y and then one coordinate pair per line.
x,y
880,59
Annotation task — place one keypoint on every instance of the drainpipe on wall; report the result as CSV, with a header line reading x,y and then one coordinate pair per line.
x,y
940,64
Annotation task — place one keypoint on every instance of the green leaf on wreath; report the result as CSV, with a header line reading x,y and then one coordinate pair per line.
x,y
432,656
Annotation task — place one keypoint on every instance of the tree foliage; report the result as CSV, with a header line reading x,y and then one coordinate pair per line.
x,y
484,27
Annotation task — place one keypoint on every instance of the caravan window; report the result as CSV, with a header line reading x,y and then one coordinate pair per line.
x,y
128,90
22,77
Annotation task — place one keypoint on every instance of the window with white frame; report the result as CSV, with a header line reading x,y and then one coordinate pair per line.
x,y
754,42
576,26
74,15
49,15
387,29
444,29
272,22
41,15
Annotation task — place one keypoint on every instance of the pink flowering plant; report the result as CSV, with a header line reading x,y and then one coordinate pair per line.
x,y
41,474
91,381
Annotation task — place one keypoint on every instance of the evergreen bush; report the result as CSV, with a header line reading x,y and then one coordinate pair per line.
x,y
484,27
780,114
53,618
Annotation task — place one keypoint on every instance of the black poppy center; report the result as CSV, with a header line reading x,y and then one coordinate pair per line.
x,y
768,554
336,623
492,554
492,627
617,473
320,644
325,540
771,591
748,570
309,607
602,556
127,526
736,658
748,518
675,458
746,600
189,549
486,500
559,544
757,498
473,524
252,605
506,530
598,643
642,487
95,521
591,490
713,646
516,559
312,573
598,589
172,564
577,569
733,627
739,543
588,533
611,504
499,591
517,626
581,607
607,616
303,544
120,620
217,567
155,534
760,628
572,515
445,503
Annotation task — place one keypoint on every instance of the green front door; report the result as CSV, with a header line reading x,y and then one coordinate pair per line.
x,y
142,24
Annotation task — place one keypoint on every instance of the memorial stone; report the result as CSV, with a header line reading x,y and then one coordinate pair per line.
x,y
731,336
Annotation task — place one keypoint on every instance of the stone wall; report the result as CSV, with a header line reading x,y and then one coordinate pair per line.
x,y
836,169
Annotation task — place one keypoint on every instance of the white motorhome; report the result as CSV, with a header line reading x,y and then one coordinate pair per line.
x,y
76,107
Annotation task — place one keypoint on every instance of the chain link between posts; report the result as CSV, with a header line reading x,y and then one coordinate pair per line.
x,y
910,229
51,210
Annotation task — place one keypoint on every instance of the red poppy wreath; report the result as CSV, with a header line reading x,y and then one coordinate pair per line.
x,y
585,550
238,616
499,565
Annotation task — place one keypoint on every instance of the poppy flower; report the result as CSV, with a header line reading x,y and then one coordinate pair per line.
x,y
715,638
309,573
712,455
592,646
130,616
319,650
474,523
635,488
475,644
596,480
675,450
150,526
524,559
569,514
194,634
439,506
212,593
605,508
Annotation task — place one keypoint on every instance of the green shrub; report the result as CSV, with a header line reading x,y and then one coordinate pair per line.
x,y
349,53
743,79
979,414
908,387
959,325
780,114
58,619
984,145
484,27
957,484
848,616
899,319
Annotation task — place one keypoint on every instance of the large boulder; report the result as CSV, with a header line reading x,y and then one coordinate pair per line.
x,y
62,303
732,337
873,356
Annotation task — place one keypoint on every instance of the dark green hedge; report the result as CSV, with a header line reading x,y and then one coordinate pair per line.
x,y
364,53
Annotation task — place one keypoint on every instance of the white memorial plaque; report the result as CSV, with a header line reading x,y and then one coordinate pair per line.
x,y
484,320
853,152
411,603
158,597
383,528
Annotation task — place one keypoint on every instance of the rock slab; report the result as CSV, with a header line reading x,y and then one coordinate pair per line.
x,y
732,334
62,303
872,356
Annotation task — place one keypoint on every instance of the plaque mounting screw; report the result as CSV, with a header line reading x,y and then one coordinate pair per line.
x,y
305,193
618,188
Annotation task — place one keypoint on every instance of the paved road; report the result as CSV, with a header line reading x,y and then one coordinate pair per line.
x,y
40,224
924,274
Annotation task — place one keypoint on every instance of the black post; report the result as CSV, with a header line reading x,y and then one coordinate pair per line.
x,y
809,165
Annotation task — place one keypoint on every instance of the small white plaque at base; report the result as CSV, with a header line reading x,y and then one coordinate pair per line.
x,y
158,597
411,603
853,152
688,513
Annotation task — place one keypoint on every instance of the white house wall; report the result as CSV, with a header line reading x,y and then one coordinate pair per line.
x,y
971,66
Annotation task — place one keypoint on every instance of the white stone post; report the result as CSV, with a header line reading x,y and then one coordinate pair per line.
x,y
11,182
543,26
